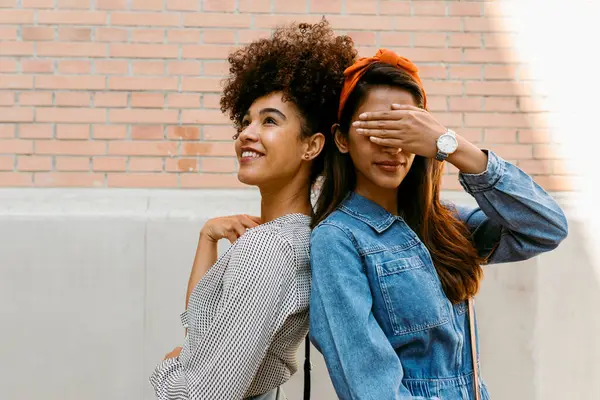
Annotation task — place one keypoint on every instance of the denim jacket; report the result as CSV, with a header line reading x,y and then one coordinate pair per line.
x,y
378,313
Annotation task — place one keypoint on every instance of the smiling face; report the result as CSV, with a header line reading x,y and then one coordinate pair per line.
x,y
269,148
377,167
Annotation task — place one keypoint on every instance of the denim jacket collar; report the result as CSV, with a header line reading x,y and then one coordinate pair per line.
x,y
367,211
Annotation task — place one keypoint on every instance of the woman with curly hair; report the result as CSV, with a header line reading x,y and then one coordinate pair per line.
x,y
247,311
394,268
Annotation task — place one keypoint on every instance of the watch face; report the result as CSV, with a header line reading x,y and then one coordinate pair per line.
x,y
447,144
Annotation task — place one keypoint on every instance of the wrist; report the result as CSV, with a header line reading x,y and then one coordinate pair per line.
x,y
205,237
468,158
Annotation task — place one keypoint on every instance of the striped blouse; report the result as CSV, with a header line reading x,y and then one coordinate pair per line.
x,y
246,318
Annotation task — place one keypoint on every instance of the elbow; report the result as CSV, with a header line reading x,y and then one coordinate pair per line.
x,y
560,230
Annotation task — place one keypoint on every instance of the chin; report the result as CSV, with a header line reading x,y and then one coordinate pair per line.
x,y
248,178
389,182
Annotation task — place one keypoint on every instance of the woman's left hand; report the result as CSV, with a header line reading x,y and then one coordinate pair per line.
x,y
174,354
409,128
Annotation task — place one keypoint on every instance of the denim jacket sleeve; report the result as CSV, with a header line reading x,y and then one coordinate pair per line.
x,y
516,218
361,361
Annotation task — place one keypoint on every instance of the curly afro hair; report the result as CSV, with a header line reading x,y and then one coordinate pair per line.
x,y
306,62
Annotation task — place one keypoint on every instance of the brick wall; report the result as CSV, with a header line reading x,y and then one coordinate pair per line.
x,y
124,93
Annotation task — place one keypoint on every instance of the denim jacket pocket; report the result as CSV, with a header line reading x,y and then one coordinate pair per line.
x,y
412,297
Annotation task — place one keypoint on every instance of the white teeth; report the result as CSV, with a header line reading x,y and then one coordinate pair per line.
x,y
251,154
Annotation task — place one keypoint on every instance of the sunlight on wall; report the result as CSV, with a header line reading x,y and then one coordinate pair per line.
x,y
559,42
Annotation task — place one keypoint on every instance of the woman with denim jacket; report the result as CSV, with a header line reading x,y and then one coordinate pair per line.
x,y
392,266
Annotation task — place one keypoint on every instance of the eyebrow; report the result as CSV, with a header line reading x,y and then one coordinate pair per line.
x,y
272,110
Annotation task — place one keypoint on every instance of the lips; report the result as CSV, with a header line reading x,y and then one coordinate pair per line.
x,y
390,165
249,155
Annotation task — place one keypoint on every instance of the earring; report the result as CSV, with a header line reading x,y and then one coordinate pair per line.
x,y
306,156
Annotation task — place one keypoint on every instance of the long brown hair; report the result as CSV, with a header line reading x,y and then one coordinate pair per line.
x,y
445,236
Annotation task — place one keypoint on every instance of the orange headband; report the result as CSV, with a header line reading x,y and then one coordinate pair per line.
x,y
354,72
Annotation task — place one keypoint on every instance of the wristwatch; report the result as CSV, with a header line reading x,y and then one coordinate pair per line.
x,y
446,145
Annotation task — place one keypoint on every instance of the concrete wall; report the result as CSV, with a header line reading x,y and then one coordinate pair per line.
x,y
91,284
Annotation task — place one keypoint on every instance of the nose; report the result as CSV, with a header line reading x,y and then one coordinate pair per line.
x,y
249,134
392,150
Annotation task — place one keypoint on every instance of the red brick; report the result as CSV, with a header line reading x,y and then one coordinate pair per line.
x,y
560,183
148,68
452,120
432,72
514,151
35,131
500,40
139,148
147,100
500,104
142,83
500,136
211,101
111,35
72,17
145,19
219,36
488,56
143,50
15,17
37,66
423,7
451,88
7,163
246,36
218,132
436,55
203,117
184,68
74,67
218,68
73,132
394,39
496,120
536,166
143,180
485,25
60,49
110,99
206,52
16,146
182,5
562,167
69,147
34,163
37,33
472,72
144,116
218,164
16,48
35,99
75,34
271,21
465,8
74,82
109,132
8,3
19,114
208,149
148,35
323,6
7,98
8,65
437,103
533,104
201,85
491,88
218,5
430,40
185,165
8,33
465,40
109,163
70,115
534,136
16,179
72,163
7,131
285,6
466,103
183,133
111,4
147,132
69,179
183,35
547,151
429,24
147,5
74,4
112,67
504,72
198,181
145,164
176,100
217,20
394,7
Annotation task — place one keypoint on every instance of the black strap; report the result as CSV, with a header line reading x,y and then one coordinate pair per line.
x,y
307,368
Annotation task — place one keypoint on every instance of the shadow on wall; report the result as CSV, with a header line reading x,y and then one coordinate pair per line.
x,y
92,287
